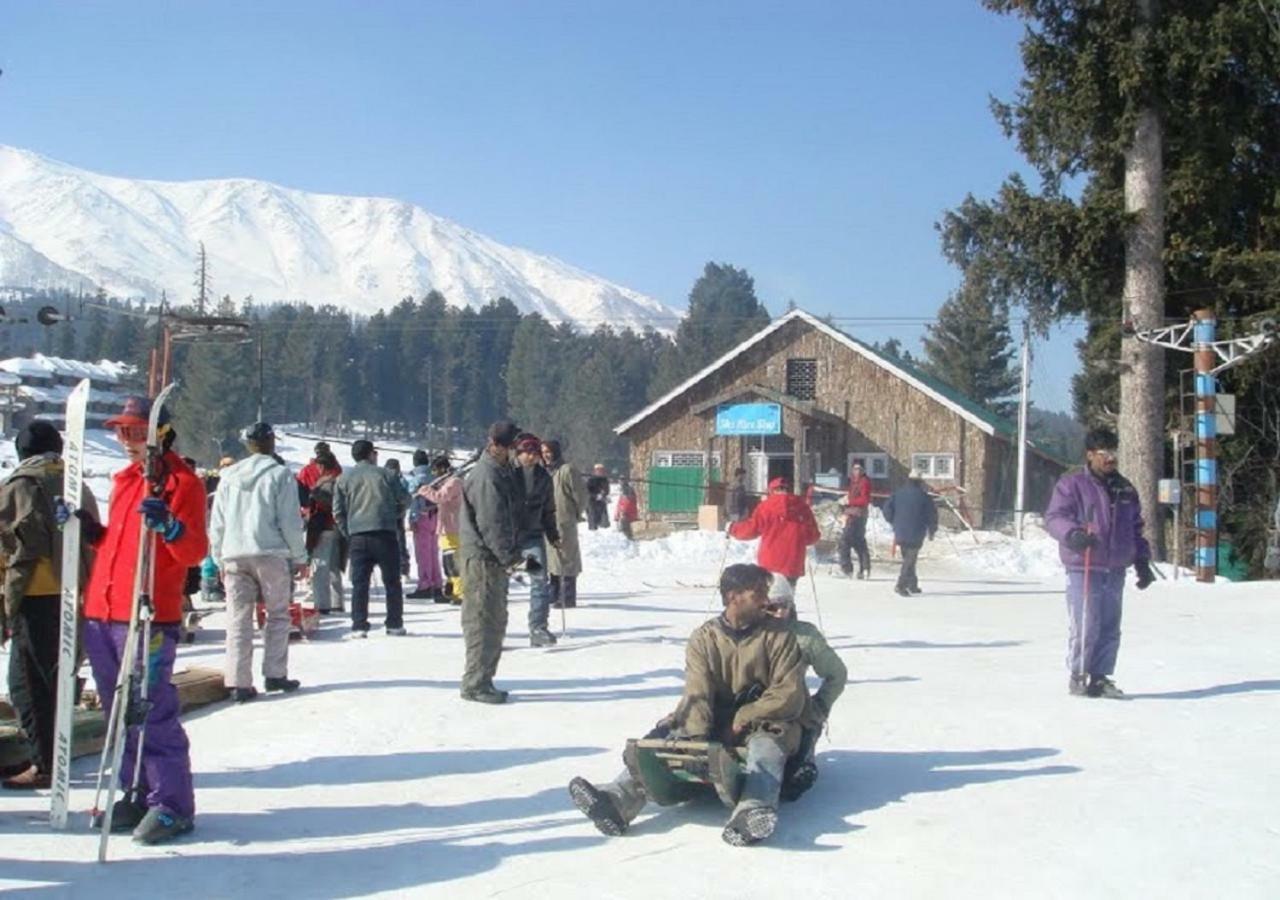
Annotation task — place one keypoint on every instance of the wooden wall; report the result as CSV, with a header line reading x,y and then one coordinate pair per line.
x,y
882,414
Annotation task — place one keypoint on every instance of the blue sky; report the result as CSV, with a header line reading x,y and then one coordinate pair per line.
x,y
813,144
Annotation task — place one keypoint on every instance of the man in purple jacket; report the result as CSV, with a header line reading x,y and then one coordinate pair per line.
x,y
1096,517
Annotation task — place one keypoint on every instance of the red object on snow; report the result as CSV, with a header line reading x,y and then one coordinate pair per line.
x,y
627,511
302,620
786,527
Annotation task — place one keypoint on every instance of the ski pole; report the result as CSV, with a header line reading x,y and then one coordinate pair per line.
x,y
724,558
1084,601
817,607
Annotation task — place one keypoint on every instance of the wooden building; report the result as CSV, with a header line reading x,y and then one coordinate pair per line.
x,y
803,399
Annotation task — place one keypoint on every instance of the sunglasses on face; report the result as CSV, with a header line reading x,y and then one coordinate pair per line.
x,y
132,434
1104,454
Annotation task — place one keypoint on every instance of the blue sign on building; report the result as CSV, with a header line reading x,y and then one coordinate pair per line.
x,y
749,418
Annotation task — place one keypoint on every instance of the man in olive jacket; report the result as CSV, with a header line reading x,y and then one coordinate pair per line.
x,y
31,587
743,686
489,524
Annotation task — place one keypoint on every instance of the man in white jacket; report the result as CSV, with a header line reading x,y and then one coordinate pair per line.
x,y
256,540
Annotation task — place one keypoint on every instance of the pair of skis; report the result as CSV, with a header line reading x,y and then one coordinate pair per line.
x,y
124,712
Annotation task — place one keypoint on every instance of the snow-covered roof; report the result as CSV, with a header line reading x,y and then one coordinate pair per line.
x,y
981,419
41,366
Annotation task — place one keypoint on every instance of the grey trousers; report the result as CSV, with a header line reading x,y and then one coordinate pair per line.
x,y
247,579
766,762
484,620
326,576
1102,638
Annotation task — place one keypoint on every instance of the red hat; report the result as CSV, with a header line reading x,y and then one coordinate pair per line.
x,y
137,411
528,443
779,483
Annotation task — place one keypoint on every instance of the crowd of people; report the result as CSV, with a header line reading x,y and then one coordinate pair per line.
x,y
513,510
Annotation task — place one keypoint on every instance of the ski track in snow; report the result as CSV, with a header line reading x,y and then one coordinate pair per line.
x,y
955,765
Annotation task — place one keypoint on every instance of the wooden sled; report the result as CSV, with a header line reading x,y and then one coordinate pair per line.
x,y
673,771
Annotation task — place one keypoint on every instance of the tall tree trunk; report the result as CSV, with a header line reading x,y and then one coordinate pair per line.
x,y
1142,424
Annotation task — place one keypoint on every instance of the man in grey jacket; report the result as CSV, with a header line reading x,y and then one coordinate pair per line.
x,y
490,520
256,541
368,503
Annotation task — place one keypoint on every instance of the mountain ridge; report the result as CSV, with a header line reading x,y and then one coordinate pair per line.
x,y
60,224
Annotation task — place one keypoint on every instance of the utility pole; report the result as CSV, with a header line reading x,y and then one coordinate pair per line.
x,y
1022,427
1199,337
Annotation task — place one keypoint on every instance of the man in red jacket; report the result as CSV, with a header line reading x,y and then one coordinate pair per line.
x,y
854,535
786,527
164,805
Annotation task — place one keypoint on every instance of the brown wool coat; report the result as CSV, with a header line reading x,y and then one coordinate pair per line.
x,y
570,496
719,666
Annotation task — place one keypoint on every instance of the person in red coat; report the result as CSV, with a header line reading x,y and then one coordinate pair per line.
x,y
786,528
164,805
854,536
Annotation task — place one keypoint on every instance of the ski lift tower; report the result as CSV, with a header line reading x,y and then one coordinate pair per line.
x,y
1211,356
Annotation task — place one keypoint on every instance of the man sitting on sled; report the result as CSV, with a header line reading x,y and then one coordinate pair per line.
x,y
744,688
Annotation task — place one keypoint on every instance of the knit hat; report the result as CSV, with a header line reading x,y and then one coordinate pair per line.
x,y
528,443
36,437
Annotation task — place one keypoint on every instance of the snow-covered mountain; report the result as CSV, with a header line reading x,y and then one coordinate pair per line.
x,y
61,226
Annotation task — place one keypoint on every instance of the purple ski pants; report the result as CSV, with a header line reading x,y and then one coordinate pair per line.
x,y
1102,640
166,752
426,550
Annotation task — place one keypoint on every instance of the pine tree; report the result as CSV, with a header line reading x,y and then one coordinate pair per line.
x,y
969,348
1152,132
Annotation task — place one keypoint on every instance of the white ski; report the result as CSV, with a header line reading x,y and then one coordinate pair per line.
x,y
72,487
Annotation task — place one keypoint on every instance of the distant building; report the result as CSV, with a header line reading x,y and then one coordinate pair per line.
x,y
37,387
804,400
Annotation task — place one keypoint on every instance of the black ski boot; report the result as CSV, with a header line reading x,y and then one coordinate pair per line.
x,y
541,637
125,816
750,826
244,695
288,685
798,781
598,806
489,695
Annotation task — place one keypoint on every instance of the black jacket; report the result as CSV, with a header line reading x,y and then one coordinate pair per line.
x,y
912,513
537,509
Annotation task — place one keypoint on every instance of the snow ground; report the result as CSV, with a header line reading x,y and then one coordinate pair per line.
x,y
956,765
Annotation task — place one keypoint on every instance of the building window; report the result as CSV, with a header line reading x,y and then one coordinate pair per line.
x,y
802,378
876,465
684,459
935,466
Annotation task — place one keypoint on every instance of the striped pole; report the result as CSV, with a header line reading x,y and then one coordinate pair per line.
x,y
1206,556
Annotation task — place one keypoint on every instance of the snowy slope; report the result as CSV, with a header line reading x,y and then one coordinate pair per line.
x,y
60,225
955,764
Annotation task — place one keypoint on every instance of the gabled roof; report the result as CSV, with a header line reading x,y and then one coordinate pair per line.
x,y
971,411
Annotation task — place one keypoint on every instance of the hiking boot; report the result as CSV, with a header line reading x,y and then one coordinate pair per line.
x,y
750,826
863,574
396,631
901,591
1078,686
30,779
486,695
1102,686
160,825
358,634
598,806
799,781
439,596
915,589
541,637
419,594
244,695
125,816
288,685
